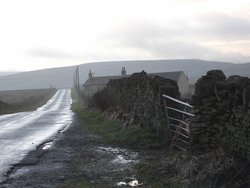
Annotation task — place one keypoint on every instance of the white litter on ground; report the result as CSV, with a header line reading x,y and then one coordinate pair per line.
x,y
133,183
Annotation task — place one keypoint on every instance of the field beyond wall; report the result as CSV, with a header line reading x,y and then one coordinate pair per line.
x,y
24,100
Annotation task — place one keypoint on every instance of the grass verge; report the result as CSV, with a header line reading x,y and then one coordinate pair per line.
x,y
111,130
158,172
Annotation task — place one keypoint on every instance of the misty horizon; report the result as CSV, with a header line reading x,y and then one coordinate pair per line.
x,y
8,72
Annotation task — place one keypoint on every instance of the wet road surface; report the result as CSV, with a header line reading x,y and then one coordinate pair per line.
x,y
77,158
22,132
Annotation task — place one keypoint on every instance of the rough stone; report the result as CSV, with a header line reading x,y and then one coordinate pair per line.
x,y
222,112
139,97
205,86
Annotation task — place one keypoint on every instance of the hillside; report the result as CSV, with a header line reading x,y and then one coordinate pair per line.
x,y
63,77
7,73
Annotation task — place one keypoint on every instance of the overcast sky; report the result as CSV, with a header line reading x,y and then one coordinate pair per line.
x,y
37,34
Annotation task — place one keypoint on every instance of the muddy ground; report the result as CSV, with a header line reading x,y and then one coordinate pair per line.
x,y
75,159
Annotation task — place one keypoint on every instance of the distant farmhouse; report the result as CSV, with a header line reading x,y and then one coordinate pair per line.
x,y
95,84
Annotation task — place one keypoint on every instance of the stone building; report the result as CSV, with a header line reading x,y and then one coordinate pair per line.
x,y
95,84
179,76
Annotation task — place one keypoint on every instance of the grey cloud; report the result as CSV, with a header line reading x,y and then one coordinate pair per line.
x,y
51,53
209,26
212,26
223,26
158,41
139,34
181,49
176,49
181,38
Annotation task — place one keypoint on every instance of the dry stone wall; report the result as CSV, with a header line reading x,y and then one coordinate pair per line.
x,y
136,100
222,114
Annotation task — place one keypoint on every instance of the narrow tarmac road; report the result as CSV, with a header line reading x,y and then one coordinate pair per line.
x,y
23,132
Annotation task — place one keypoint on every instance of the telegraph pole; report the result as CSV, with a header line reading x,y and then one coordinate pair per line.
x,y
76,80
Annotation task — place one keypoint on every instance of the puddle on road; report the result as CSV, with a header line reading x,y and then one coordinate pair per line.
x,y
123,156
47,146
64,129
121,159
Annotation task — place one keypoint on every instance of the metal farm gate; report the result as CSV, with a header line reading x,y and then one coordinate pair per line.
x,y
178,115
